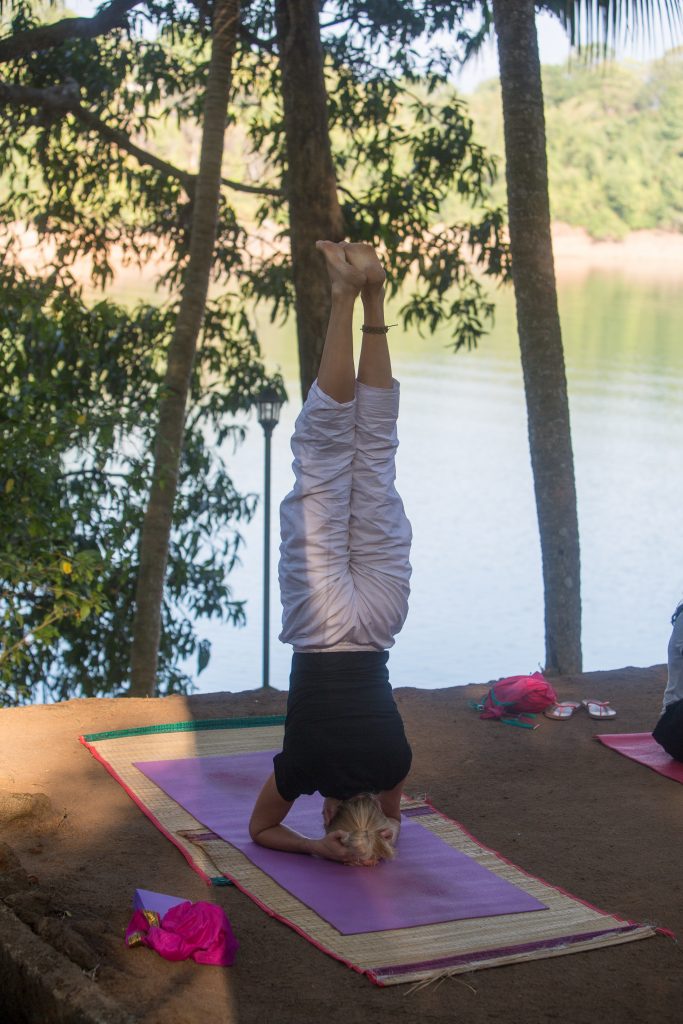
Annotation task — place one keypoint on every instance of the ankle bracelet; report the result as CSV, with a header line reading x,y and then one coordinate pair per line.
x,y
377,330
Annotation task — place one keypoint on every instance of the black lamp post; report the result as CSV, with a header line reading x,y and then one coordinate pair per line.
x,y
268,405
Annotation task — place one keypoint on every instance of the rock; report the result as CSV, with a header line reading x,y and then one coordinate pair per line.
x,y
40,984
41,911
19,806
8,859
62,937
32,906
13,878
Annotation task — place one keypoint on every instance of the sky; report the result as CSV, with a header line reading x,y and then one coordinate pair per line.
x,y
552,39
554,48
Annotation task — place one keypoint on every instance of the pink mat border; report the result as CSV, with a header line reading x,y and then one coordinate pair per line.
x,y
202,874
145,810
376,975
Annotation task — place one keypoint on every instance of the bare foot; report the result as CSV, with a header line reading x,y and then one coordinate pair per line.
x,y
364,258
345,278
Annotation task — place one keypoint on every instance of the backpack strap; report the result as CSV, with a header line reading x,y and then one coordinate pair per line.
x,y
519,721
500,703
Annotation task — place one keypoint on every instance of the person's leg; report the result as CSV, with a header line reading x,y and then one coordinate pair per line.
x,y
669,729
316,586
379,531
337,373
374,364
674,683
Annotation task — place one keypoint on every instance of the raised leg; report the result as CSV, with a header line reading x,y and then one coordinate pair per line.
x,y
379,531
337,373
374,364
317,589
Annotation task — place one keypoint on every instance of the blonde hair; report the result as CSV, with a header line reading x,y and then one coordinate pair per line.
x,y
364,820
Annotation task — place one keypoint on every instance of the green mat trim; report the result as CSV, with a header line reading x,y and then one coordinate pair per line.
x,y
199,726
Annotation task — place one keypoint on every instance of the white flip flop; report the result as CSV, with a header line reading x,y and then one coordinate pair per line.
x,y
599,708
561,711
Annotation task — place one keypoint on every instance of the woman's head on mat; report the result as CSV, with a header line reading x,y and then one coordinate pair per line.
x,y
367,832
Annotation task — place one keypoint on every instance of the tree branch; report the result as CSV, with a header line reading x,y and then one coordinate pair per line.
x,y
255,40
64,99
44,37
337,21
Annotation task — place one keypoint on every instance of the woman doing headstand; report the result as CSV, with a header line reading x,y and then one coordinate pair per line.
x,y
344,581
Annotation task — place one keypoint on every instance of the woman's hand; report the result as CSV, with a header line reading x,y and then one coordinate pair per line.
x,y
391,832
332,847
266,829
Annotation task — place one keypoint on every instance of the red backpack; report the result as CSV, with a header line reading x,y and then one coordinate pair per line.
x,y
515,700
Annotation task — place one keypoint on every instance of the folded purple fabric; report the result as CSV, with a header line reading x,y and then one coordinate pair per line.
x,y
643,748
427,882
159,902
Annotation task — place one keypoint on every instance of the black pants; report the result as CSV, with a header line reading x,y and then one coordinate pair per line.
x,y
669,730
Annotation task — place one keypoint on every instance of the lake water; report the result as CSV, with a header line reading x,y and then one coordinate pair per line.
x,y
463,470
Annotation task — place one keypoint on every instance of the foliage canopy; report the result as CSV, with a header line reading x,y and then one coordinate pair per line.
x,y
76,442
613,137
84,167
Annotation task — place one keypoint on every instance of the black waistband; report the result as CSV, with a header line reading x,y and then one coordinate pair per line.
x,y
339,669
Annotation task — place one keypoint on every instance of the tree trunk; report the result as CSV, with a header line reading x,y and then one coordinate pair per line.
x,y
538,325
156,528
310,183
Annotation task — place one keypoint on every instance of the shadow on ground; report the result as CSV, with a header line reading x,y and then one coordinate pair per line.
x,y
552,800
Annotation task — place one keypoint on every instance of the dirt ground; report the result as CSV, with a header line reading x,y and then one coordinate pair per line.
x,y
553,800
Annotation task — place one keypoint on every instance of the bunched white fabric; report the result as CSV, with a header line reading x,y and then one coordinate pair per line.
x,y
344,558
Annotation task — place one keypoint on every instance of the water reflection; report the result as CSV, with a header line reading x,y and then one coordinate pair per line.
x,y
463,470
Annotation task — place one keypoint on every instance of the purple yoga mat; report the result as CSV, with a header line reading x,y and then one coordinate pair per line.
x,y
643,748
427,882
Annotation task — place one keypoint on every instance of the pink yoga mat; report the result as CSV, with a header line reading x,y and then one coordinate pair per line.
x,y
643,748
428,881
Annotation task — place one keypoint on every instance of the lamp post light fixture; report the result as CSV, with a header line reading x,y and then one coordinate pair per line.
x,y
268,405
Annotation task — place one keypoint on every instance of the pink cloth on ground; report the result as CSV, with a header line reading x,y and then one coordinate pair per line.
x,y
198,931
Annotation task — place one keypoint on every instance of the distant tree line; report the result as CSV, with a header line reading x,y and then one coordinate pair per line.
x,y
614,142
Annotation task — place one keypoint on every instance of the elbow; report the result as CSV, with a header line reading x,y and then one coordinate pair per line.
x,y
254,831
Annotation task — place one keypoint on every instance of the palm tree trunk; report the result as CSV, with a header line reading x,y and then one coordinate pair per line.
x,y
310,182
156,528
538,325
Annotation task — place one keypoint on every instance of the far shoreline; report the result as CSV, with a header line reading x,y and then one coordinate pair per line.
x,y
642,255
647,256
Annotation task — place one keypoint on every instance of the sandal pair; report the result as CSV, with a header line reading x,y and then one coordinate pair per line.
x,y
563,710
